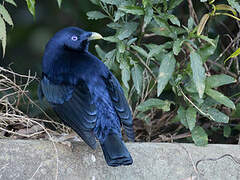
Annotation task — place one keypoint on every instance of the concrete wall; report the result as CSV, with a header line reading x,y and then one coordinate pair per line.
x,y
27,159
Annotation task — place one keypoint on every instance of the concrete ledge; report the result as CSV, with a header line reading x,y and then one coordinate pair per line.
x,y
21,160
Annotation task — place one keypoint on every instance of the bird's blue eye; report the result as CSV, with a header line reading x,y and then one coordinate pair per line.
x,y
74,38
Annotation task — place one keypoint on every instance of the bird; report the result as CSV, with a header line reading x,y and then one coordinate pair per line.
x,y
85,94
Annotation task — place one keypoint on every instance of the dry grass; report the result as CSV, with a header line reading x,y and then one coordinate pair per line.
x,y
14,123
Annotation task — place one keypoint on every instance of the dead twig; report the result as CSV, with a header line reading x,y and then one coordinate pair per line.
x,y
192,12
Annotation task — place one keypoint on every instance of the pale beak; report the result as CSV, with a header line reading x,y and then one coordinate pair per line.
x,y
95,36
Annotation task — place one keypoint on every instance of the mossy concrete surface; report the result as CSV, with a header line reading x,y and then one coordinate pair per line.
x,y
41,160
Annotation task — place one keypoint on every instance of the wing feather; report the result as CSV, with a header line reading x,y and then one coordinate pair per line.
x,y
74,106
120,104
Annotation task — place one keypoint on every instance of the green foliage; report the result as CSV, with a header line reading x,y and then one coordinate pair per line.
x,y
5,18
215,81
95,15
199,136
176,65
3,34
154,103
234,4
11,2
227,131
137,72
191,114
5,15
198,72
31,6
166,70
59,3
233,55
219,97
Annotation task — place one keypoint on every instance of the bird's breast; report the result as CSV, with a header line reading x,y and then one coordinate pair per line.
x,y
69,69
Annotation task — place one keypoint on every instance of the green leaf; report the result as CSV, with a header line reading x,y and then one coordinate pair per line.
x,y
2,28
177,46
198,72
112,2
95,15
226,131
135,10
155,49
174,19
174,3
11,2
218,116
140,50
110,55
199,136
171,32
219,97
131,41
110,58
190,23
225,7
96,2
127,30
31,6
161,20
191,114
209,40
148,15
144,117
234,4
59,3
146,3
154,103
198,101
208,103
137,76
166,70
100,52
115,26
181,114
165,17
121,47
5,15
202,23
112,39
191,87
236,113
164,28
118,15
3,35
219,80
125,73
233,55
207,50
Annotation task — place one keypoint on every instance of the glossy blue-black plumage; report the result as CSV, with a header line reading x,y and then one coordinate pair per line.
x,y
86,95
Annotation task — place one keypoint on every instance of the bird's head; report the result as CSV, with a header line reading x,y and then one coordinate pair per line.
x,y
73,38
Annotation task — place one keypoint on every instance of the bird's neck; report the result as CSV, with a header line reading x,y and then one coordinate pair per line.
x,y
63,65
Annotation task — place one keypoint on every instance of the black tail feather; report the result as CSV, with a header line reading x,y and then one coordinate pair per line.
x,y
115,151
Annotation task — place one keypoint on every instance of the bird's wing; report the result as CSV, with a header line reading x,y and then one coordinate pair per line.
x,y
120,104
74,106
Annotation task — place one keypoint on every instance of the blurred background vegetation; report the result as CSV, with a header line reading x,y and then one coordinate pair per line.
x,y
27,39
